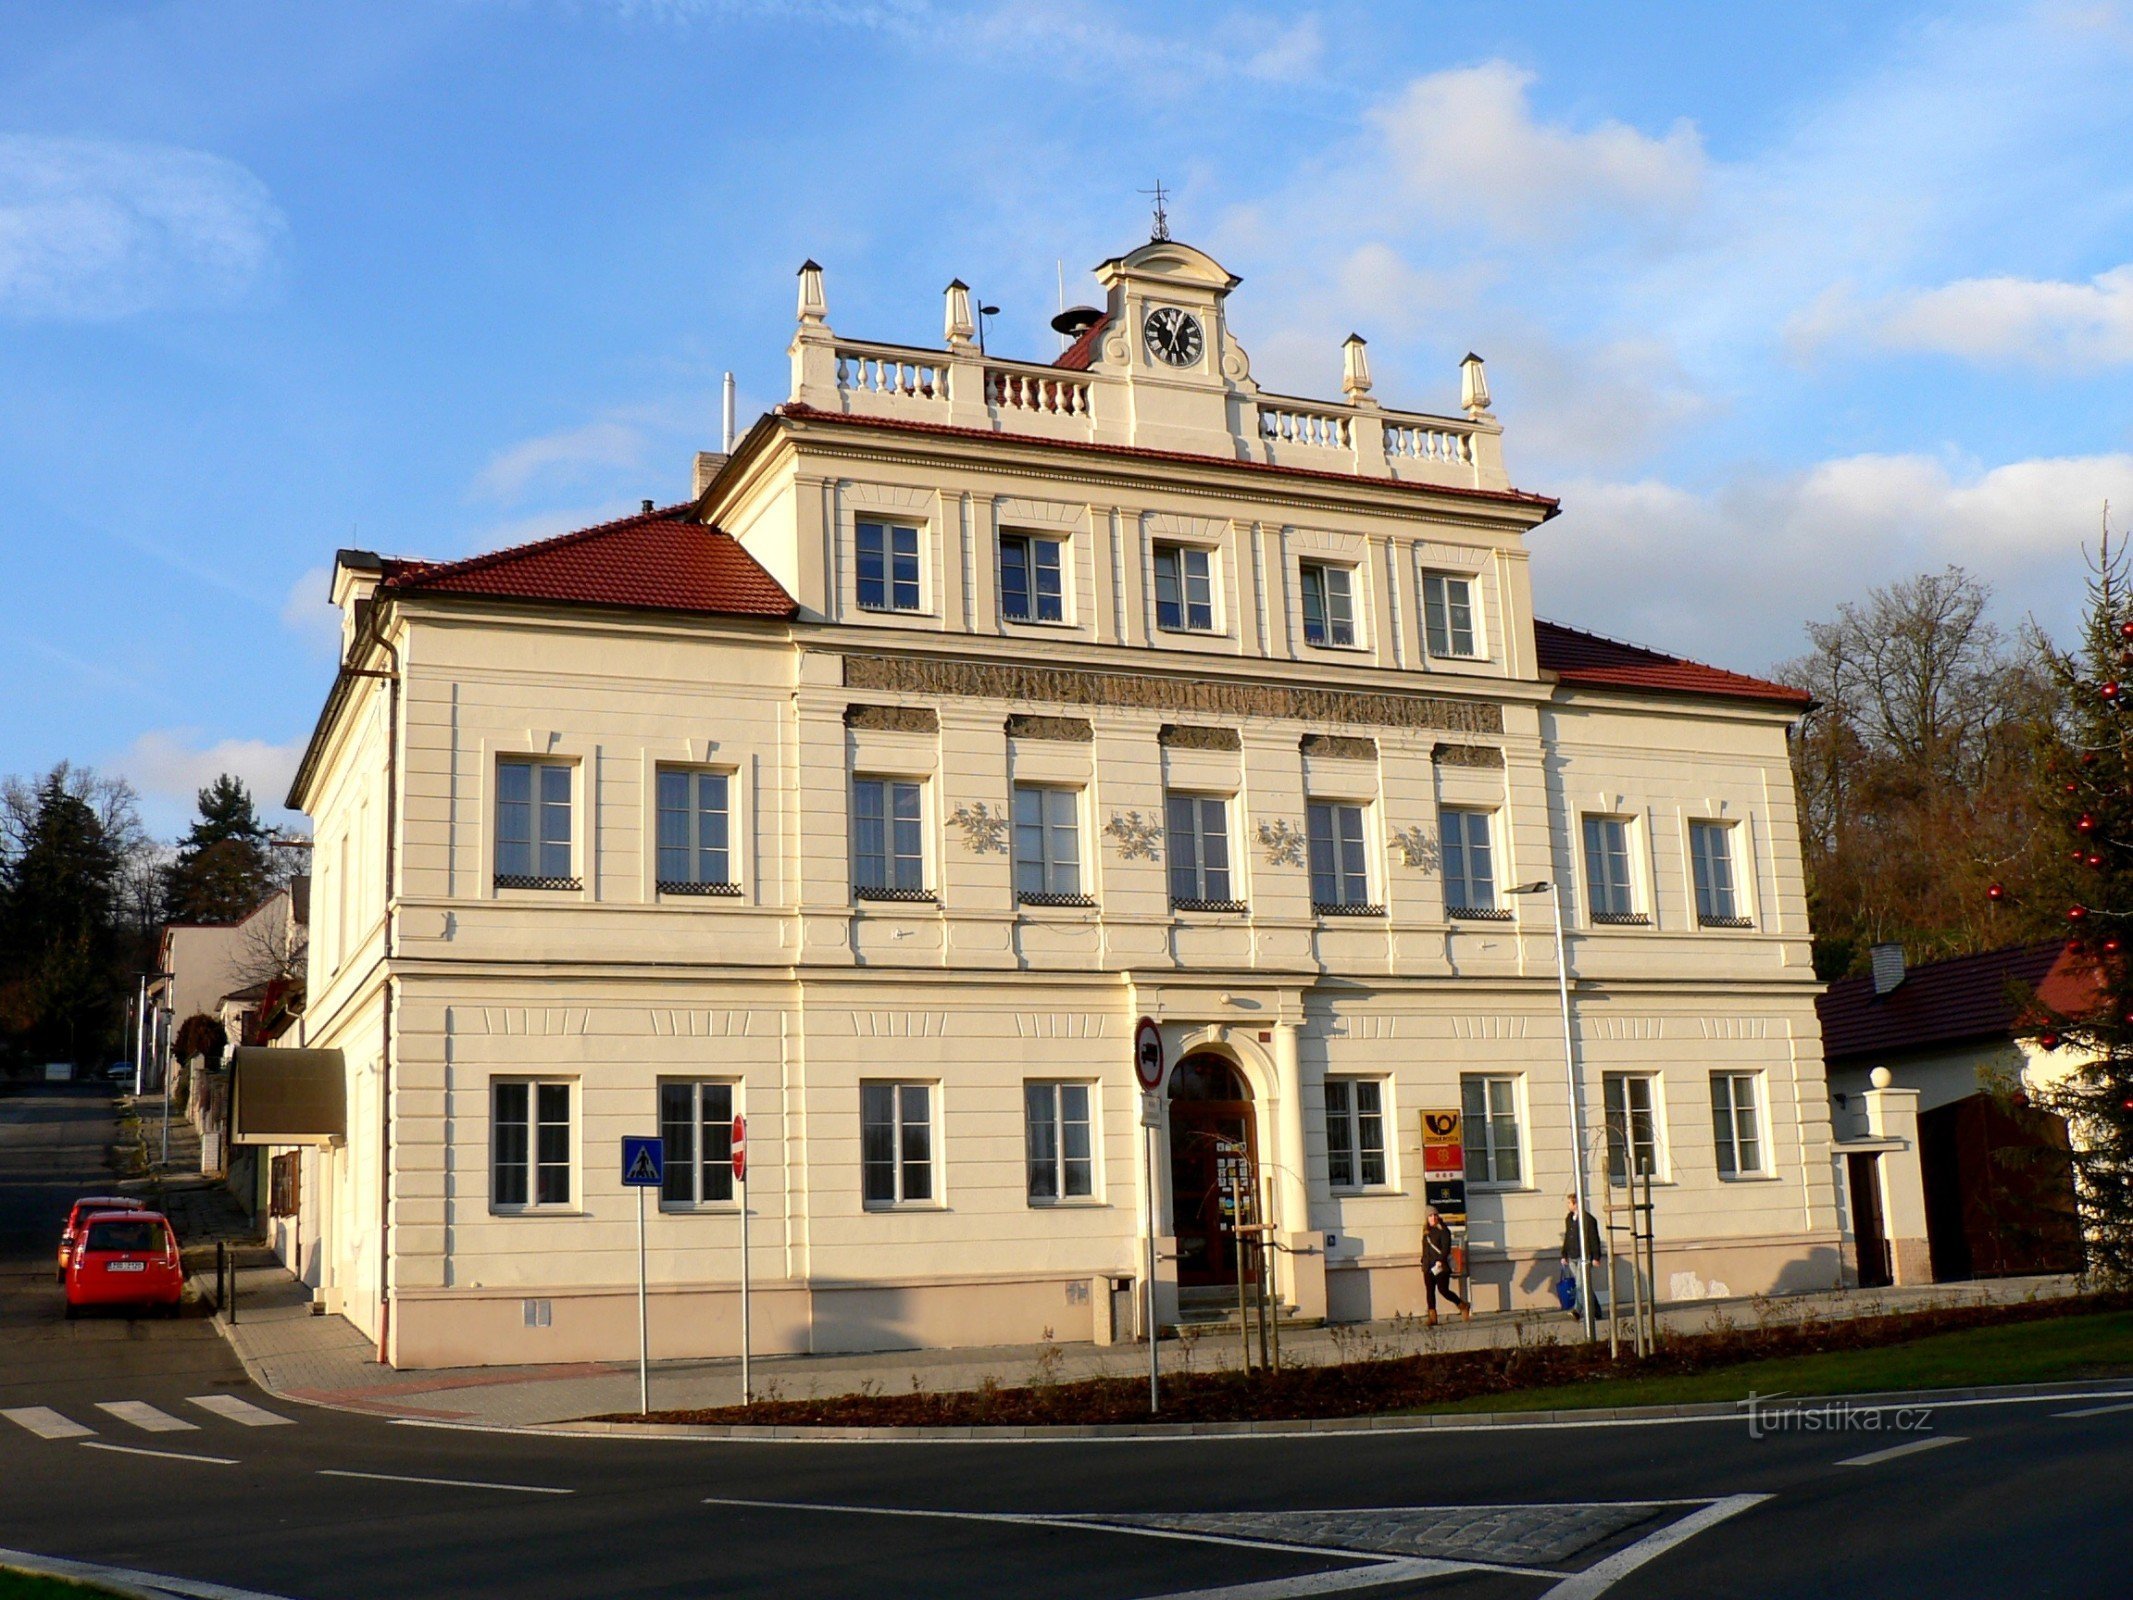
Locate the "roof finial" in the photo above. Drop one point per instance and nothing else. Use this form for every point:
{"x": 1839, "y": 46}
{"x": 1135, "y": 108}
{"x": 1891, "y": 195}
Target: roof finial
{"x": 1161, "y": 230}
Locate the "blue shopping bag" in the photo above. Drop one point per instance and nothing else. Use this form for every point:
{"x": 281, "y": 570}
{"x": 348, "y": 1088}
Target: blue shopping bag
{"x": 1566, "y": 1289}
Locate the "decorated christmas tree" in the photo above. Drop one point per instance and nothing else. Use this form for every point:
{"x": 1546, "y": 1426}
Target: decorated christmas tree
{"x": 2085, "y": 775}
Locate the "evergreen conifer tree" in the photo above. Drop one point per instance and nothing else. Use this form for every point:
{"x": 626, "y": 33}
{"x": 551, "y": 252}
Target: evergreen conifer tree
{"x": 2086, "y": 779}
{"x": 225, "y": 862}
{"x": 59, "y": 948}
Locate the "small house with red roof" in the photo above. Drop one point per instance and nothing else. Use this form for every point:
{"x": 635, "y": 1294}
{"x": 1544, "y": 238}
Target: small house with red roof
{"x": 1947, "y": 1171}
{"x": 972, "y": 711}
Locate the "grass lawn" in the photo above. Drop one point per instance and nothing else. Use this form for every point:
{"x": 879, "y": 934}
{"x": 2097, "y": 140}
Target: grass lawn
{"x": 2058, "y": 1350}
{"x": 28, "y": 1586}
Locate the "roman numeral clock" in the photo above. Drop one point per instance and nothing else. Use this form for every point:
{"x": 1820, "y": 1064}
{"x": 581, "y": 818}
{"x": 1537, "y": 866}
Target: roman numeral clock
{"x": 1173, "y": 336}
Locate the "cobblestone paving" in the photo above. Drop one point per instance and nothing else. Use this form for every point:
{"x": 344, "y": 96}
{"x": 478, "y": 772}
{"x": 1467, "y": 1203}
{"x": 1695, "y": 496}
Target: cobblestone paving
{"x": 1526, "y": 1535}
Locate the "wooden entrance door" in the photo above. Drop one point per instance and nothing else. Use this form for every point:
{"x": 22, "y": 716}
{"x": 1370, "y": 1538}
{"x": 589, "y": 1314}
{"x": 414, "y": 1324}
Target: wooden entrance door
{"x": 1863, "y": 1170}
{"x": 1210, "y": 1120}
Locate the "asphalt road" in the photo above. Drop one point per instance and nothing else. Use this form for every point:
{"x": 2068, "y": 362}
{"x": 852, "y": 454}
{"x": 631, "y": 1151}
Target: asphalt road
{"x": 2019, "y": 1499}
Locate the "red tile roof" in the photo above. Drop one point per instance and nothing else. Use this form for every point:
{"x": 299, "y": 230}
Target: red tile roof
{"x": 806, "y": 413}
{"x": 1081, "y": 354}
{"x": 1591, "y": 660}
{"x": 1966, "y": 999}
{"x": 657, "y": 560}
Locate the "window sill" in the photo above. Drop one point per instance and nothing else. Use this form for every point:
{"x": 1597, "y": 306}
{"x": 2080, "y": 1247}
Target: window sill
{"x": 1063, "y": 902}
{"x": 730, "y": 890}
{"x": 1725, "y": 922}
{"x": 551, "y": 1212}
{"x": 886, "y": 1207}
{"x": 891, "y": 611}
{"x": 1351, "y": 645}
{"x": 1458, "y": 660}
{"x": 518, "y": 880}
{"x": 1038, "y": 622}
{"x": 1193, "y": 633}
{"x": 1743, "y": 1177}
{"x": 1476, "y": 1186}
{"x": 915, "y": 897}
{"x": 1480, "y": 913}
{"x": 1620, "y": 919}
{"x": 699, "y": 1208}
{"x": 1212, "y": 907}
{"x": 1371, "y": 1192}
{"x": 1071, "y": 1203}
{"x": 1324, "y": 909}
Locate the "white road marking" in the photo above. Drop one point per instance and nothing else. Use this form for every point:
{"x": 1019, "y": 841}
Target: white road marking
{"x": 152, "y": 1582}
{"x": 442, "y": 1483}
{"x": 1601, "y": 1576}
{"x": 161, "y": 1455}
{"x": 1874, "y": 1458}
{"x": 2096, "y": 1411}
{"x": 46, "y": 1423}
{"x": 146, "y": 1417}
{"x": 232, "y": 1409}
{"x": 1408, "y": 1569}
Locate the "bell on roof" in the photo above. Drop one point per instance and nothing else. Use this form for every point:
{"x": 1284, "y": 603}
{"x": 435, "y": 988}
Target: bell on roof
{"x": 814, "y": 305}
{"x": 958, "y": 327}
{"x": 1355, "y": 367}
{"x": 1473, "y": 386}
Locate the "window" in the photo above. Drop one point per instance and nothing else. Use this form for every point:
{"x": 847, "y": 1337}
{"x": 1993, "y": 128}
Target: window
{"x": 1736, "y": 1121}
{"x": 896, "y": 1143}
{"x": 1469, "y": 865}
{"x": 694, "y": 854}
{"x": 888, "y": 567}
{"x": 1355, "y": 1133}
{"x": 1328, "y": 604}
{"x": 533, "y": 825}
{"x": 1199, "y": 853}
{"x": 1711, "y": 859}
{"x": 1632, "y": 1124}
{"x": 1340, "y": 878}
{"x": 1184, "y": 588}
{"x": 1062, "y": 1161}
{"x": 888, "y": 840}
{"x": 529, "y": 1144}
{"x": 1030, "y": 589}
{"x": 1610, "y": 895}
{"x": 1047, "y": 846}
{"x": 1488, "y": 1103}
{"x": 1448, "y": 614}
{"x": 696, "y": 1128}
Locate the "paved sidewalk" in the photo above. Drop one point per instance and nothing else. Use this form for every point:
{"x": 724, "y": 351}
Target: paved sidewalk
{"x": 324, "y": 1360}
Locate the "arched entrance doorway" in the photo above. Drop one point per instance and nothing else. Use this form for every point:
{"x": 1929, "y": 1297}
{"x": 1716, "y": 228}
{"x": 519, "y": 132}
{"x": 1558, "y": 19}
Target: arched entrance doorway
{"x": 1210, "y": 1118}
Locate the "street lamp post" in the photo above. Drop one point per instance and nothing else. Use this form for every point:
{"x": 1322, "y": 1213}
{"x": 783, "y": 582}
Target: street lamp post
{"x": 1577, "y": 1101}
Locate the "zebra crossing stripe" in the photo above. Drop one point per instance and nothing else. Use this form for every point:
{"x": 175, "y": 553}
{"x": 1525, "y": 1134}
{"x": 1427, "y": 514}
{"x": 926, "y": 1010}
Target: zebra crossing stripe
{"x": 146, "y": 1417}
{"x": 46, "y": 1423}
{"x": 231, "y": 1409}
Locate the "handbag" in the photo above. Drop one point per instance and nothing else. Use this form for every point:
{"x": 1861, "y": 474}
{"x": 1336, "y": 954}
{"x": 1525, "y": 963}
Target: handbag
{"x": 1566, "y": 1289}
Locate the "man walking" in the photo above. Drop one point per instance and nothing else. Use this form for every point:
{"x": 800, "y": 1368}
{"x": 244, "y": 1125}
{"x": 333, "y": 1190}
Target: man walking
{"x": 1437, "y": 1267}
{"x": 1582, "y": 1250}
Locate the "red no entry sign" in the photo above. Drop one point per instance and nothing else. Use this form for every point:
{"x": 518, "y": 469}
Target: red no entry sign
{"x": 740, "y": 1149}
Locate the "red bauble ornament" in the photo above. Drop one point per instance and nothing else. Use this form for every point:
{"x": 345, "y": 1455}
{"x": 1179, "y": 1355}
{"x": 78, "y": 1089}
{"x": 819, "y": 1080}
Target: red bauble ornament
{"x": 2076, "y": 913}
{"x": 2089, "y": 760}
{"x": 2073, "y": 788}
{"x": 2110, "y": 690}
{"x": 2095, "y": 861}
{"x": 2111, "y": 947}
{"x": 2125, "y": 630}
{"x": 1995, "y": 892}
{"x": 2084, "y": 823}
{"x": 2050, "y": 1041}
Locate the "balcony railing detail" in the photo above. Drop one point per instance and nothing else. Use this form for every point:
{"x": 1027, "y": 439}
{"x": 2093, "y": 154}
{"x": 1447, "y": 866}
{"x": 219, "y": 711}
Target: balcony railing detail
{"x": 1329, "y": 430}
{"x": 1010, "y": 390}
{"x": 1411, "y": 441}
{"x": 872, "y": 372}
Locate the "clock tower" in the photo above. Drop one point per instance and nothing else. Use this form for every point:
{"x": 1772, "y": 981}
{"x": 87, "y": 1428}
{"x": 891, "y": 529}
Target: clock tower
{"x": 1187, "y": 379}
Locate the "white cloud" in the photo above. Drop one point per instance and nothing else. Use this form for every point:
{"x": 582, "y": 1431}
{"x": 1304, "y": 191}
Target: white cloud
{"x": 96, "y": 229}
{"x": 566, "y": 457}
{"x": 1288, "y": 54}
{"x": 169, "y": 764}
{"x": 1465, "y": 145}
{"x": 308, "y": 611}
{"x": 2051, "y": 324}
{"x": 1731, "y": 574}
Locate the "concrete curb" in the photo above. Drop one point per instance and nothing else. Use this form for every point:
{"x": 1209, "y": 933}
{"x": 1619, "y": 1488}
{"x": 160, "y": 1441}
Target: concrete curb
{"x": 1423, "y": 1422}
{"x": 124, "y": 1580}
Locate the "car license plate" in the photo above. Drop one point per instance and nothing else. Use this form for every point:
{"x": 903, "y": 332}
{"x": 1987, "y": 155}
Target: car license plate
{"x": 125, "y": 1266}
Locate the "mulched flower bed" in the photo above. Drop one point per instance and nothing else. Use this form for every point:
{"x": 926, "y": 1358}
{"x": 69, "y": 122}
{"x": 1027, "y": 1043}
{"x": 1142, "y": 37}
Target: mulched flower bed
{"x": 1373, "y": 1386}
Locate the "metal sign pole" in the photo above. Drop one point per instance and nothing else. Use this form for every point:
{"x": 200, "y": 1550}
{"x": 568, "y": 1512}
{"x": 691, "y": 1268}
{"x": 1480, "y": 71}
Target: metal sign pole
{"x": 747, "y": 1385}
{"x": 644, "y": 1341}
{"x": 1155, "y": 1390}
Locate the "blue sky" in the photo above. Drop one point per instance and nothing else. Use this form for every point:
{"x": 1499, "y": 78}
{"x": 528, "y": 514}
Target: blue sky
{"x": 1782, "y": 301}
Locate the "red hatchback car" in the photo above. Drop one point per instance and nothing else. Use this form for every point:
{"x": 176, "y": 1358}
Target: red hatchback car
{"x": 81, "y": 1209}
{"x": 125, "y": 1258}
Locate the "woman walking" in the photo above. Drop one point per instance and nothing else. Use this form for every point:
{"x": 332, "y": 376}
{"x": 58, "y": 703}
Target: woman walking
{"x": 1437, "y": 1267}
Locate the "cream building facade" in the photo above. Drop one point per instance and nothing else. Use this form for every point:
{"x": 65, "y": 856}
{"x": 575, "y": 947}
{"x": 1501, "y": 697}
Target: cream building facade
{"x": 973, "y": 710}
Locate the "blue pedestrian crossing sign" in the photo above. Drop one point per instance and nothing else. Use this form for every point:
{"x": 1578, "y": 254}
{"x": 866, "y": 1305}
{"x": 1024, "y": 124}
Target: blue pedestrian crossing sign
{"x": 644, "y": 1162}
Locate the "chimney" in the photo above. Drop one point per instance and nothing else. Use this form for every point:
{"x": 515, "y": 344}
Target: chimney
{"x": 1888, "y": 967}
{"x": 708, "y": 463}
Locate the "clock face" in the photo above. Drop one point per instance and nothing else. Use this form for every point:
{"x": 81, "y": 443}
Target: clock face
{"x": 1173, "y": 336}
